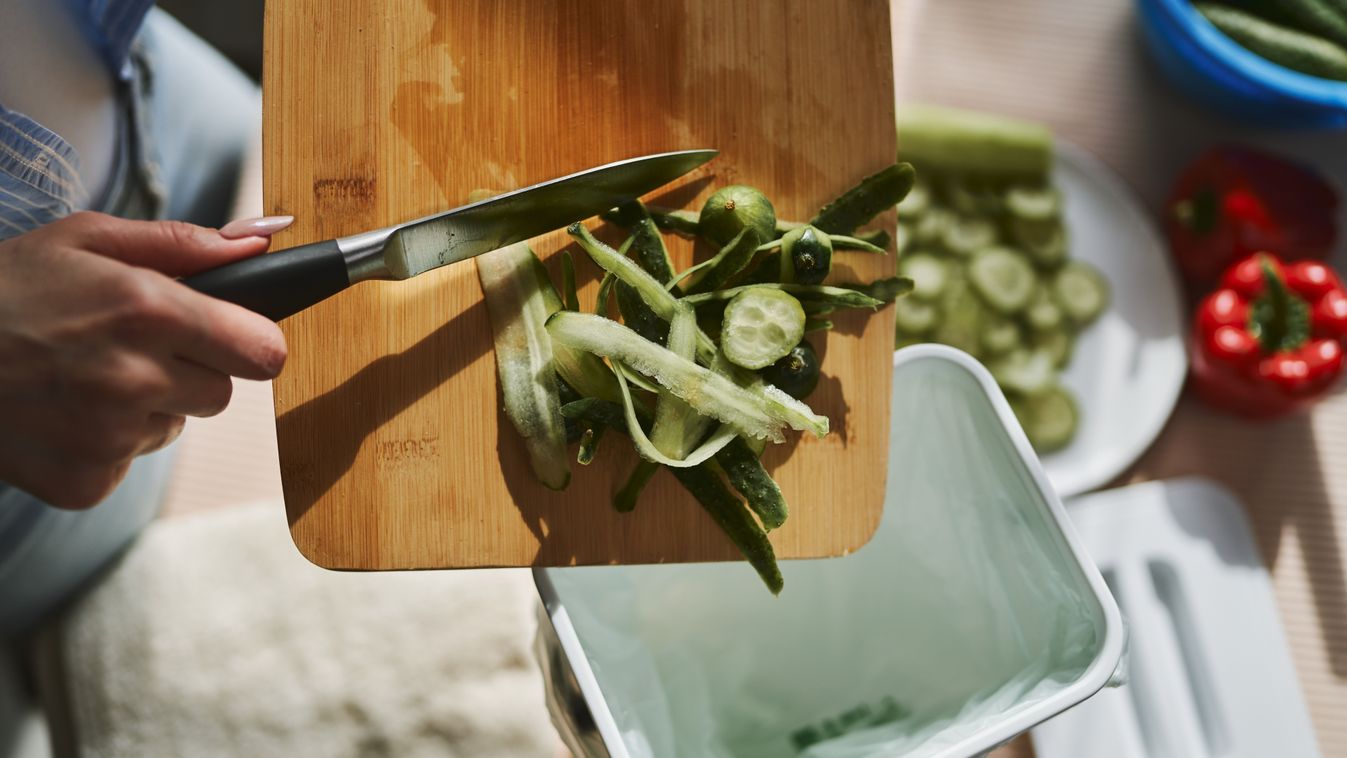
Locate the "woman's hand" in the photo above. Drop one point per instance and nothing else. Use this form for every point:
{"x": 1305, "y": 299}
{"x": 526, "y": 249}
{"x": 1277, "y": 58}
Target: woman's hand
{"x": 103, "y": 354}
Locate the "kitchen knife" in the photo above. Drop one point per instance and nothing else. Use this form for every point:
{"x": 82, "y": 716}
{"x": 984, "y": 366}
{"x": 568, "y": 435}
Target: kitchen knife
{"x": 285, "y": 282}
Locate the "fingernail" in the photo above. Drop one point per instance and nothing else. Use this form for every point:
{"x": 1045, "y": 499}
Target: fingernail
{"x": 255, "y": 227}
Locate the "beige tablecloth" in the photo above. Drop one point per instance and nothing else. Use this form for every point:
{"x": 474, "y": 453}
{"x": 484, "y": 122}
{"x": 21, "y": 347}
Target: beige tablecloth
{"x": 1082, "y": 68}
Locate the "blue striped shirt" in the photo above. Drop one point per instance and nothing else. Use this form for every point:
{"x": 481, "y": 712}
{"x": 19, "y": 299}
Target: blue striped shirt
{"x": 39, "y": 171}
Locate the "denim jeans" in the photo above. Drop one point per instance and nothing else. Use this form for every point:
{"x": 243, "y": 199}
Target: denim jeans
{"x": 189, "y": 117}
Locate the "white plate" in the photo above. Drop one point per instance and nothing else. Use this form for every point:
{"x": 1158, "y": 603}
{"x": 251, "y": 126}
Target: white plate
{"x": 1129, "y": 366}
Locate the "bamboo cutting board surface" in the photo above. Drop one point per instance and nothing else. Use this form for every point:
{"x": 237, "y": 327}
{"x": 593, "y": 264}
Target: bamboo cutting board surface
{"x": 393, "y": 451}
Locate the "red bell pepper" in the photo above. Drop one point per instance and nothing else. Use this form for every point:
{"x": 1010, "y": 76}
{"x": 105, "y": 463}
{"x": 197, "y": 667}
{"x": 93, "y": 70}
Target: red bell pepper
{"x": 1271, "y": 339}
{"x": 1234, "y": 201}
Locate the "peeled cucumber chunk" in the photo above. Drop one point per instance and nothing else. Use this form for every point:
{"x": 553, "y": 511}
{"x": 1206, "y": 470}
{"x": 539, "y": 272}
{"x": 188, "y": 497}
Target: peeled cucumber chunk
{"x": 1081, "y": 292}
{"x": 968, "y": 142}
{"x": 1003, "y": 278}
{"x": 1049, "y": 419}
{"x": 927, "y": 272}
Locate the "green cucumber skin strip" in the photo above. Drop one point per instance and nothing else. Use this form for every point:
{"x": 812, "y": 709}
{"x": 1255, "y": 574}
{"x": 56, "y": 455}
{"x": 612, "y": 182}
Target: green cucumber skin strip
{"x": 660, "y": 300}
{"x": 518, "y": 310}
{"x": 648, "y": 244}
{"x": 875, "y": 194}
{"x": 729, "y": 261}
{"x": 843, "y": 297}
{"x": 583, "y": 371}
{"x": 647, "y": 448}
{"x": 1318, "y": 17}
{"x": 671, "y": 413}
{"x": 706, "y": 486}
{"x": 746, "y": 474}
{"x": 625, "y": 499}
{"x": 571, "y": 298}
{"x": 685, "y": 223}
{"x": 757, "y": 411}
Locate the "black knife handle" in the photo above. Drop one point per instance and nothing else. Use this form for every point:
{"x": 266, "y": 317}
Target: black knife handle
{"x": 278, "y": 284}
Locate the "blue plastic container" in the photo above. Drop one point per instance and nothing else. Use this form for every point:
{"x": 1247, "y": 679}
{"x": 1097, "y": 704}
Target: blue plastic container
{"x": 1212, "y": 68}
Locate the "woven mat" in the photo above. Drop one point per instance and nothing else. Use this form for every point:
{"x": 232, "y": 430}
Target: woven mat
{"x": 1082, "y": 68}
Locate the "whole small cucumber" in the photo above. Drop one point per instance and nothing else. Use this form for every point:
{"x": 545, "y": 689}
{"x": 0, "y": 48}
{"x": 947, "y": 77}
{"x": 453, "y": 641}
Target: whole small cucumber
{"x": 1293, "y": 49}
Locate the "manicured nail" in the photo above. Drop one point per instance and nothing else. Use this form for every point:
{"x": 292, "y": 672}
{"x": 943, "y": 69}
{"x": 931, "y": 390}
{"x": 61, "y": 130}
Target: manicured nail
{"x": 255, "y": 227}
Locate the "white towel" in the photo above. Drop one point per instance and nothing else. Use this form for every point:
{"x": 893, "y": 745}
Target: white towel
{"x": 214, "y": 637}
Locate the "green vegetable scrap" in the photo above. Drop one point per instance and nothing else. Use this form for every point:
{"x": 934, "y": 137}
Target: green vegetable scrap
{"x": 706, "y": 366}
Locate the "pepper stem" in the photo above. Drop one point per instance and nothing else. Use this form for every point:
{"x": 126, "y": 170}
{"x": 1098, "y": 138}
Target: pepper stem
{"x": 1278, "y": 319}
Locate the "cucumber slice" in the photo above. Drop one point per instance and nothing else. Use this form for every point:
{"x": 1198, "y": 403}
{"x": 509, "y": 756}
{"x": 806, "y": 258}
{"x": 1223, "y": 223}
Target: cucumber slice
{"x": 963, "y": 314}
{"x": 927, "y": 272}
{"x": 914, "y": 316}
{"x": 1000, "y": 335}
{"x": 973, "y": 200}
{"x": 1003, "y": 278}
{"x": 1043, "y": 314}
{"x": 1025, "y": 372}
{"x": 1033, "y": 203}
{"x": 930, "y": 228}
{"x": 1049, "y": 419}
{"x": 917, "y": 201}
{"x": 1081, "y": 292}
{"x": 1047, "y": 250}
{"x": 760, "y": 326}
{"x": 1058, "y": 343}
{"x": 966, "y": 235}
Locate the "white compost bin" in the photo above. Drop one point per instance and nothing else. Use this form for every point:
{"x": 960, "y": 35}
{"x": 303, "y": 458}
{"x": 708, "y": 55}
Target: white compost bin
{"x": 972, "y": 614}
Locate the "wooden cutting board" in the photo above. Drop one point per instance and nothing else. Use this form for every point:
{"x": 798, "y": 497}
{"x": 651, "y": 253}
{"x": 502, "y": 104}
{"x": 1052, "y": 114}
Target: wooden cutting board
{"x": 393, "y": 451}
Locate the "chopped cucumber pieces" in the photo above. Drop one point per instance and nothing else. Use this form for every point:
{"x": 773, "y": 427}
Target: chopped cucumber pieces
{"x": 987, "y": 248}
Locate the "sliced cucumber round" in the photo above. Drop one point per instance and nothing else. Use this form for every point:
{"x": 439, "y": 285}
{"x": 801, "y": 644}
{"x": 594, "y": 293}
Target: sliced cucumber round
{"x": 916, "y": 202}
{"x": 962, "y": 316}
{"x": 1049, "y": 419}
{"x": 913, "y": 316}
{"x": 1025, "y": 372}
{"x": 1000, "y": 335}
{"x": 903, "y": 238}
{"x": 966, "y": 235}
{"x": 1003, "y": 278}
{"x": 1081, "y": 292}
{"x": 1043, "y": 315}
{"x": 1049, "y": 252}
{"x": 930, "y": 228}
{"x": 760, "y": 327}
{"x": 1058, "y": 343}
{"x": 972, "y": 199}
{"x": 1033, "y": 203}
{"x": 927, "y": 272}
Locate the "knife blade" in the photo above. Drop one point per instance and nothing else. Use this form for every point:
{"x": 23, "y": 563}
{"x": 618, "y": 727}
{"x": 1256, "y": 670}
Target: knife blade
{"x": 285, "y": 282}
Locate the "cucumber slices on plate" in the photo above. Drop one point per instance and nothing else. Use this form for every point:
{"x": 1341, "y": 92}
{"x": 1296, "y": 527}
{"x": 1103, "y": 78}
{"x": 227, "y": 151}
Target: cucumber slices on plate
{"x": 986, "y": 247}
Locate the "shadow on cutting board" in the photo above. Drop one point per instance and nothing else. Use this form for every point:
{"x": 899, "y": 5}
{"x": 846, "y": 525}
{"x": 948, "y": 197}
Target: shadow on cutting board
{"x": 373, "y": 396}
